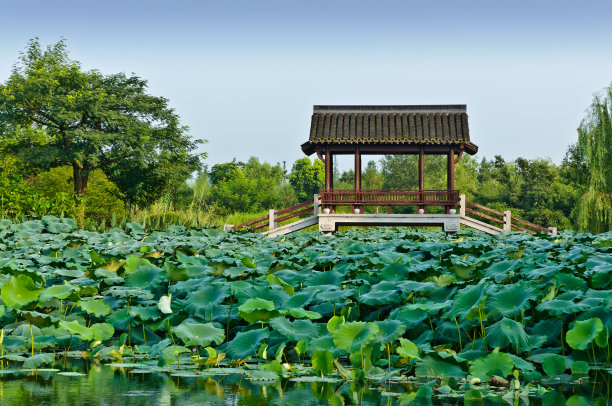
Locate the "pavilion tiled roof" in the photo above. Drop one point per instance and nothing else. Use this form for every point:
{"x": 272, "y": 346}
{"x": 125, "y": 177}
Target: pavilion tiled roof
{"x": 428, "y": 124}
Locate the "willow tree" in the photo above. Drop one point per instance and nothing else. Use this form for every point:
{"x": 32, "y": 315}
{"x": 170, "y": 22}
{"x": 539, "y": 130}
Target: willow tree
{"x": 594, "y": 210}
{"x": 62, "y": 115}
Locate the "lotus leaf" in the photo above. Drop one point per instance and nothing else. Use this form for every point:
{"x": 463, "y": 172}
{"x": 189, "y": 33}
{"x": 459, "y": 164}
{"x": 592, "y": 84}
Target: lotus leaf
{"x": 304, "y": 314}
{"x": 258, "y": 310}
{"x": 389, "y": 331}
{"x": 583, "y": 333}
{"x": 133, "y": 262}
{"x": 323, "y": 363}
{"x": 170, "y": 354}
{"x": 74, "y": 327}
{"x": 102, "y": 331}
{"x": 197, "y": 334}
{"x": 408, "y": 349}
{"x": 351, "y": 336}
{"x": 296, "y": 330}
{"x": 511, "y": 300}
{"x": 507, "y": 332}
{"x": 496, "y": 363}
{"x": 554, "y": 365}
{"x": 58, "y": 292}
{"x": 36, "y": 361}
{"x": 430, "y": 366}
{"x": 94, "y": 306}
{"x": 245, "y": 344}
{"x": 164, "y": 304}
{"x": 20, "y": 291}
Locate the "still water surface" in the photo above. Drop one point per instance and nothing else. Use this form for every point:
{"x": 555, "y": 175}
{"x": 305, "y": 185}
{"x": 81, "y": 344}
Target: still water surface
{"x": 104, "y": 385}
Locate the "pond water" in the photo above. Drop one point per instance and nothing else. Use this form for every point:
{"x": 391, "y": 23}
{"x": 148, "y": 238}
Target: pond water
{"x": 105, "y": 385}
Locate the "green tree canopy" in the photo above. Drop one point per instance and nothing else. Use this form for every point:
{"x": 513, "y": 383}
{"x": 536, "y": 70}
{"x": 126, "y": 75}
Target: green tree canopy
{"x": 60, "y": 115}
{"x": 307, "y": 178}
{"x": 594, "y": 211}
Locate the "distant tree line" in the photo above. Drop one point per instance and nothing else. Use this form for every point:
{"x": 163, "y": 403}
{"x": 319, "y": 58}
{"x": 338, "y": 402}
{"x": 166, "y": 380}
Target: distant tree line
{"x": 99, "y": 148}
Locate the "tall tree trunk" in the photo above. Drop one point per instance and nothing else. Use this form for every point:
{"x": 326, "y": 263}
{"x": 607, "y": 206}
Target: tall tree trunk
{"x": 80, "y": 176}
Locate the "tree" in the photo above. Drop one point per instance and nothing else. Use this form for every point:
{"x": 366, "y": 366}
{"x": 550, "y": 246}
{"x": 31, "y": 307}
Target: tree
{"x": 594, "y": 211}
{"x": 307, "y": 178}
{"x": 61, "y": 115}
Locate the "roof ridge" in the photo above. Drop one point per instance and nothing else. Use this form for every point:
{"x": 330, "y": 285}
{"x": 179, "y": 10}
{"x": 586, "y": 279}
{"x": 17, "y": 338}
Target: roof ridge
{"x": 417, "y": 108}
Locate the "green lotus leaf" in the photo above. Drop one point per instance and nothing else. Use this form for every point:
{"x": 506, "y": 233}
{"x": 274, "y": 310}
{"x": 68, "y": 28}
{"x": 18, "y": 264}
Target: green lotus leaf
{"x": 133, "y": 262}
{"x": 58, "y": 292}
{"x": 296, "y": 330}
{"x": 432, "y": 367}
{"x": 146, "y": 277}
{"x": 350, "y": 337}
{"x": 75, "y": 328}
{"x": 389, "y": 331}
{"x": 176, "y": 274}
{"x": 145, "y": 313}
{"x": 472, "y": 394}
{"x": 601, "y": 339}
{"x": 301, "y": 299}
{"x": 500, "y": 270}
{"x": 299, "y": 313}
{"x": 197, "y": 334}
{"x": 275, "y": 280}
{"x": 557, "y": 307}
{"x": 507, "y": 332}
{"x": 571, "y": 282}
{"x": 382, "y": 293}
{"x": 323, "y": 363}
{"x": 205, "y": 299}
{"x": 245, "y": 344}
{"x": 257, "y": 310}
{"x": 496, "y": 363}
{"x": 168, "y": 355}
{"x": 580, "y": 367}
{"x": 467, "y": 299}
{"x": 510, "y": 300}
{"x": 554, "y": 365}
{"x": 520, "y": 363}
{"x": 36, "y": 361}
{"x": 20, "y": 291}
{"x": 334, "y": 322}
{"x": 102, "y": 331}
{"x": 408, "y": 349}
{"x": 96, "y": 307}
{"x": 583, "y": 333}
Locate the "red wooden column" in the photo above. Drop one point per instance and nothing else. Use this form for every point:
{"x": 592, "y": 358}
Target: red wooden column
{"x": 422, "y": 177}
{"x": 329, "y": 175}
{"x": 357, "y": 177}
{"x": 328, "y": 169}
{"x": 450, "y": 175}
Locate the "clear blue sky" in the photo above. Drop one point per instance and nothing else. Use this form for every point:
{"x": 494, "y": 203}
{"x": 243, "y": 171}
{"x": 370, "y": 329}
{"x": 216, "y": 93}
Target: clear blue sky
{"x": 245, "y": 74}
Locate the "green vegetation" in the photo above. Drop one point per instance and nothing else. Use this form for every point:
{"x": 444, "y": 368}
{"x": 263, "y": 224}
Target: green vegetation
{"x": 377, "y": 305}
{"x": 98, "y": 148}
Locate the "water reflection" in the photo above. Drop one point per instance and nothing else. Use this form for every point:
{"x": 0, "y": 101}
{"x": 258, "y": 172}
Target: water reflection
{"x": 100, "y": 385}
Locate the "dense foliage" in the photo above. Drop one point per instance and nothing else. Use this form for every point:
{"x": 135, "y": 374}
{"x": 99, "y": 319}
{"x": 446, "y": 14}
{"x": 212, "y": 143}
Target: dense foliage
{"x": 55, "y": 114}
{"x": 376, "y": 304}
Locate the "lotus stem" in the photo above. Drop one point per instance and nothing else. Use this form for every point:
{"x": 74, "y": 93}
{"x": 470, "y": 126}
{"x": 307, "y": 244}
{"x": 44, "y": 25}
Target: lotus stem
{"x": 389, "y": 353}
{"x": 144, "y": 334}
{"x": 458, "y": 333}
{"x": 229, "y": 316}
{"x": 32, "y": 337}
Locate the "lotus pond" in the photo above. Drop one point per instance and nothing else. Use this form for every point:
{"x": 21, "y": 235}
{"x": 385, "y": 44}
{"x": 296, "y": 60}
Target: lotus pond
{"x": 371, "y": 316}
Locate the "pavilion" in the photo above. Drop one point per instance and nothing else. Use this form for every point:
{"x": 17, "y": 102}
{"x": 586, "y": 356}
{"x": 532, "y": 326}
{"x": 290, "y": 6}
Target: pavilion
{"x": 377, "y": 130}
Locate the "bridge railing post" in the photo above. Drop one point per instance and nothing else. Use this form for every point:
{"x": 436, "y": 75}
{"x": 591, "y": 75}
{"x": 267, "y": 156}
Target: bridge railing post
{"x": 317, "y": 204}
{"x": 553, "y": 230}
{"x": 462, "y": 205}
{"x": 507, "y": 220}
{"x": 272, "y": 219}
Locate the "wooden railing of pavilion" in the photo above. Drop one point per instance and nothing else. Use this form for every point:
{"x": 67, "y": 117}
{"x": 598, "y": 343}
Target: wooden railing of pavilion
{"x": 389, "y": 197}
{"x": 504, "y": 220}
{"x": 277, "y": 216}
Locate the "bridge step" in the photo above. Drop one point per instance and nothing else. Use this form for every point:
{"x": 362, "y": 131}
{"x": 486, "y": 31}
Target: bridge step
{"x": 480, "y": 225}
{"x": 290, "y": 228}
